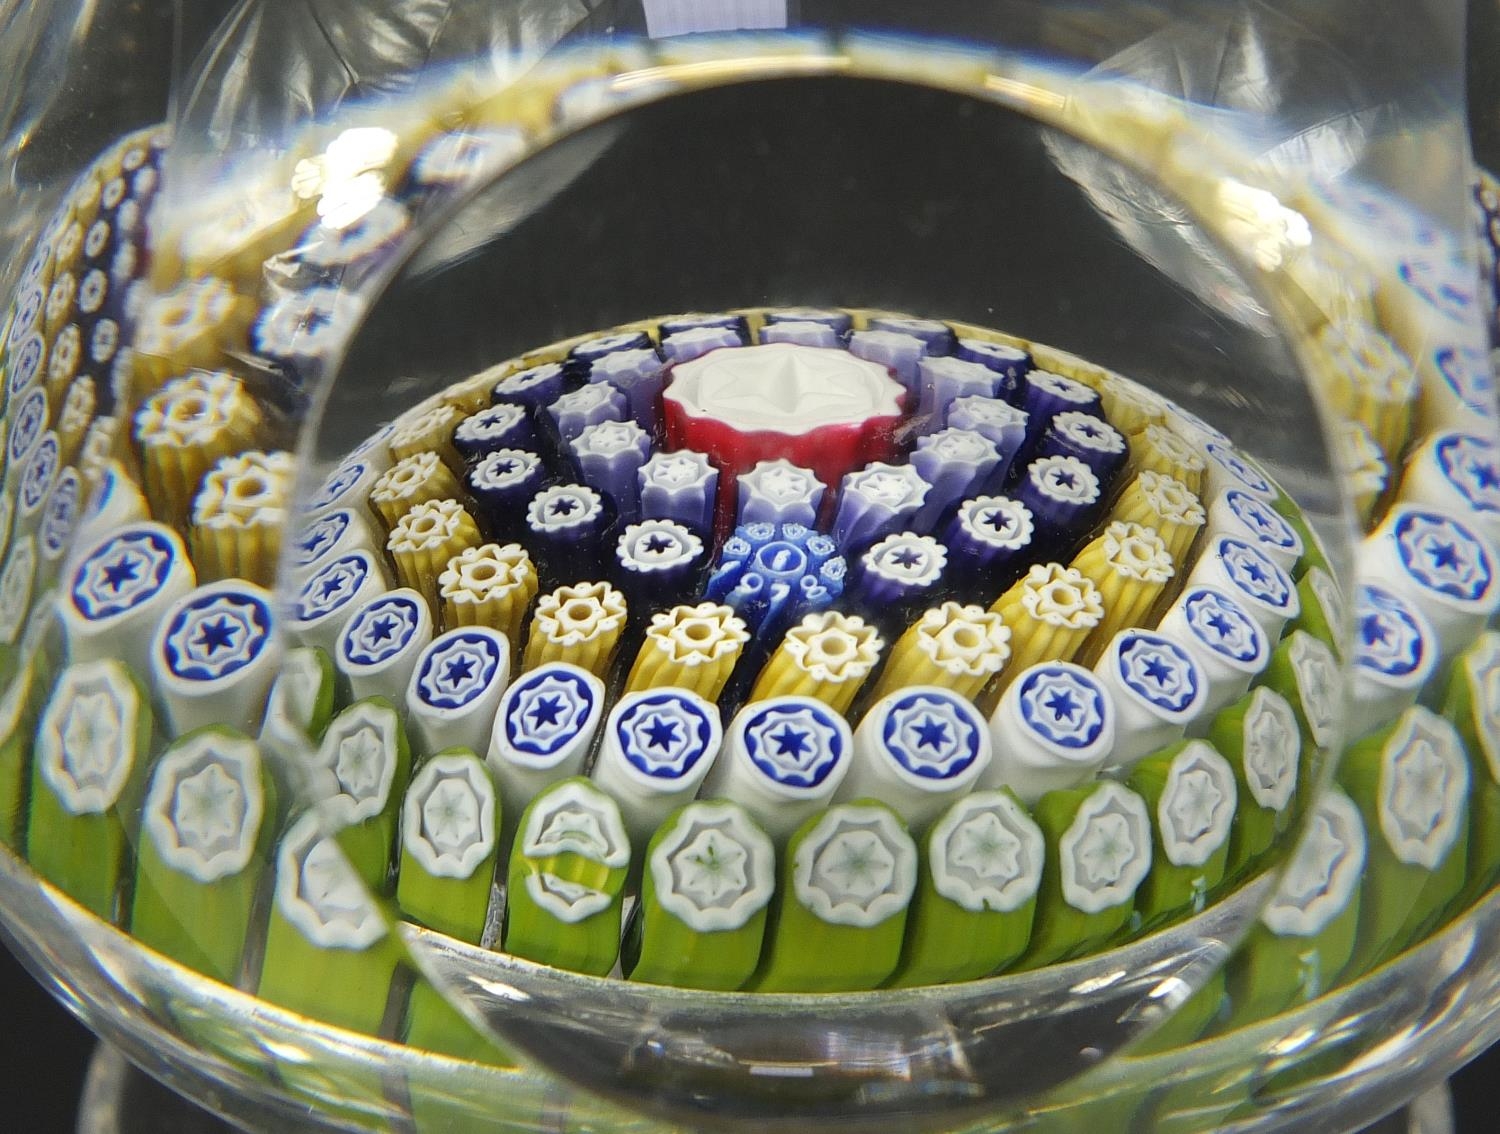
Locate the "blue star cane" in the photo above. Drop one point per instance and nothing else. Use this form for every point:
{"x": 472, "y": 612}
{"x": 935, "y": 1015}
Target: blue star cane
{"x": 1010, "y": 362}
{"x": 681, "y": 487}
{"x": 895, "y": 578}
{"x": 543, "y": 732}
{"x": 591, "y": 404}
{"x": 1228, "y": 645}
{"x": 943, "y": 381}
{"x": 455, "y": 689}
{"x": 215, "y": 656}
{"x": 327, "y": 601}
{"x": 918, "y": 750}
{"x": 566, "y": 525}
{"x": 505, "y": 426}
{"x": 997, "y": 421}
{"x": 608, "y": 458}
{"x": 1052, "y": 730}
{"x": 783, "y": 760}
{"x": 779, "y": 492}
{"x": 641, "y": 375}
{"x": 656, "y": 562}
{"x": 532, "y": 389}
{"x": 899, "y": 353}
{"x": 120, "y": 590}
{"x": 1064, "y": 497}
{"x": 1158, "y": 689}
{"x": 737, "y": 325}
{"x": 1091, "y": 440}
{"x": 1044, "y": 395}
{"x": 955, "y": 463}
{"x": 379, "y": 648}
{"x": 937, "y": 338}
{"x": 501, "y": 484}
{"x": 1241, "y": 569}
{"x": 1395, "y": 655}
{"x": 875, "y": 501}
{"x": 987, "y": 539}
{"x": 810, "y": 334}
{"x": 318, "y": 540}
{"x": 658, "y": 747}
{"x": 689, "y": 343}
{"x": 585, "y": 355}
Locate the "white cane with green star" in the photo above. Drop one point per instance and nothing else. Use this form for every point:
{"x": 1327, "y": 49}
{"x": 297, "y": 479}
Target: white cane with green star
{"x": 972, "y": 913}
{"x": 1191, "y": 792}
{"x": 1411, "y": 783}
{"x": 710, "y": 873}
{"x": 205, "y": 836}
{"x": 450, "y": 838}
{"x": 1098, "y": 852}
{"x": 1259, "y": 737}
{"x": 847, "y": 878}
{"x": 88, "y": 768}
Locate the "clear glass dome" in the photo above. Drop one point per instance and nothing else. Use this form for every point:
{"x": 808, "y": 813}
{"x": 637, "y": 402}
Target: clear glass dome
{"x": 619, "y": 567}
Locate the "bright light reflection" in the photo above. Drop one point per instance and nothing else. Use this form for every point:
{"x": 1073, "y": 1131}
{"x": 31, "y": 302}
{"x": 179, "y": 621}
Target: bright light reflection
{"x": 1257, "y": 220}
{"x": 348, "y": 177}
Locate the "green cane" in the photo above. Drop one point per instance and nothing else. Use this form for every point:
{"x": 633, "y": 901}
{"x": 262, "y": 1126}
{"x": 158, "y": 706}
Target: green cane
{"x": 1305, "y": 937}
{"x": 1305, "y": 671}
{"x": 1472, "y": 703}
{"x": 1321, "y": 608}
{"x": 329, "y": 950}
{"x": 981, "y": 865}
{"x": 1260, "y": 738}
{"x": 18, "y": 713}
{"x": 566, "y": 882}
{"x": 91, "y": 747}
{"x": 840, "y": 911}
{"x": 710, "y": 872}
{"x": 432, "y": 1024}
{"x": 1190, "y": 790}
{"x": 299, "y": 707}
{"x": 450, "y": 838}
{"x": 205, "y": 835}
{"x": 1098, "y": 852}
{"x": 1411, "y": 782}
{"x": 358, "y": 777}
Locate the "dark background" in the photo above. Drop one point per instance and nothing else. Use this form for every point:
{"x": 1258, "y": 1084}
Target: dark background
{"x": 44, "y": 1050}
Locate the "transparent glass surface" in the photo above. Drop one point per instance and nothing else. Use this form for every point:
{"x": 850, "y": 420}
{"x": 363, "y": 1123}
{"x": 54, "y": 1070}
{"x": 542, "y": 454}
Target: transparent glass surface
{"x": 450, "y": 685}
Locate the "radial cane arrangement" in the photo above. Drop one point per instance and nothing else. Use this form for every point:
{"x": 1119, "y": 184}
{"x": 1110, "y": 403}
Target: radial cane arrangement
{"x": 780, "y": 650}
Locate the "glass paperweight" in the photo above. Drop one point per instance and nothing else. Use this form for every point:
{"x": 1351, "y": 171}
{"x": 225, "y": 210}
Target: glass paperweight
{"x": 652, "y": 565}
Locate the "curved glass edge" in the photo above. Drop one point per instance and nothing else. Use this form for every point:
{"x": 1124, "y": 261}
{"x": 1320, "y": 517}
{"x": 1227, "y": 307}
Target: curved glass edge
{"x": 1356, "y": 1054}
{"x": 1018, "y": 85}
